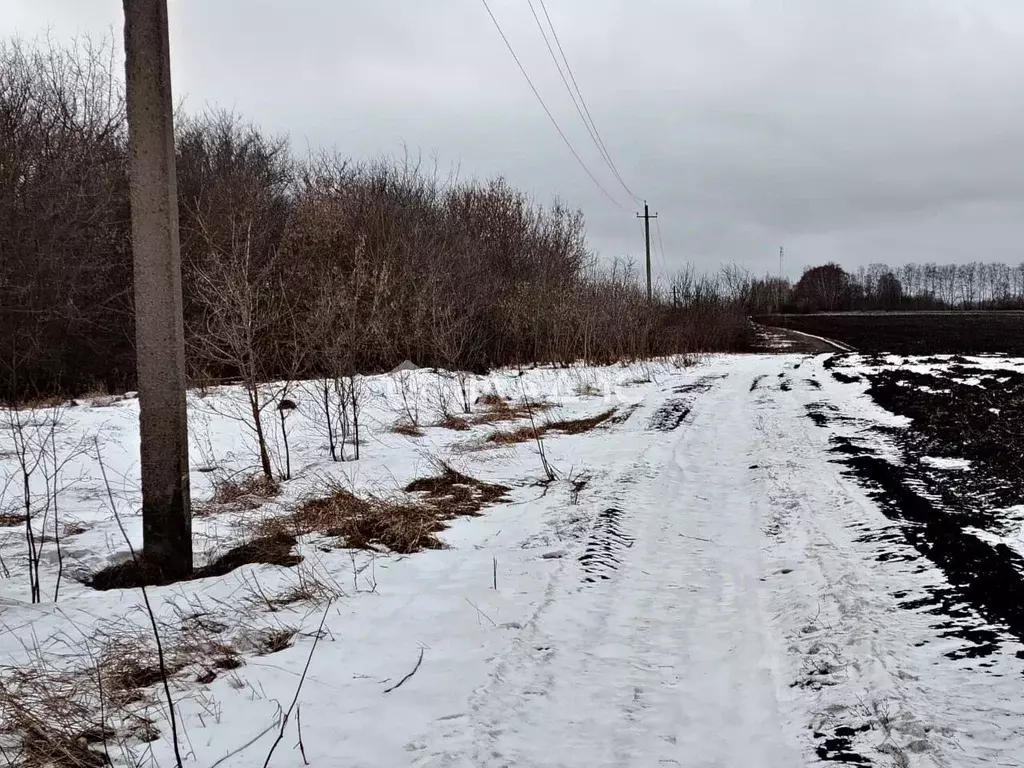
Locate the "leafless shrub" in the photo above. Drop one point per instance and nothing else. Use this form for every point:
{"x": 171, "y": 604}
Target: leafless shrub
{"x": 65, "y": 275}
{"x": 42, "y": 448}
{"x": 322, "y": 268}
{"x": 410, "y": 392}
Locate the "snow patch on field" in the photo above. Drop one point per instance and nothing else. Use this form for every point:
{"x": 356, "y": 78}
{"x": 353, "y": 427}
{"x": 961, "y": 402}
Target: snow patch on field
{"x": 941, "y": 462}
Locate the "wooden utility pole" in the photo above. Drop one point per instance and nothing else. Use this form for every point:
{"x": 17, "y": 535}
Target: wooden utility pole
{"x": 647, "y": 216}
{"x": 159, "y": 336}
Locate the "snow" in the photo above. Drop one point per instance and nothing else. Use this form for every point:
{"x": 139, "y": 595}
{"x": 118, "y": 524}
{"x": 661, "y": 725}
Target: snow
{"x": 711, "y": 597}
{"x": 835, "y": 344}
{"x": 1014, "y": 542}
{"x": 942, "y": 462}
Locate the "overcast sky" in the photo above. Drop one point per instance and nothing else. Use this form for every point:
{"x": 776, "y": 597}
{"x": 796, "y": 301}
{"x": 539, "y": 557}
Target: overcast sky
{"x": 850, "y": 130}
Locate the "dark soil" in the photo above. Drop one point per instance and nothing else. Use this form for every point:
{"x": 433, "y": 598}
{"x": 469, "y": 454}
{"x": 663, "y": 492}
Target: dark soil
{"x": 984, "y": 598}
{"x": 982, "y": 423}
{"x": 135, "y": 573}
{"x": 914, "y": 333}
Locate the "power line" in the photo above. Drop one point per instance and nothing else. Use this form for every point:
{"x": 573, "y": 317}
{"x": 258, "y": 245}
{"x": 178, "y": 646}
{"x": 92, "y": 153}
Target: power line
{"x": 596, "y": 134}
{"x": 572, "y": 95}
{"x": 545, "y": 107}
{"x": 661, "y": 246}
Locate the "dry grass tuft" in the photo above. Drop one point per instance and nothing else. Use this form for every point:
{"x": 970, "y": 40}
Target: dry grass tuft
{"x": 238, "y": 493}
{"x": 311, "y": 587}
{"x": 579, "y": 426}
{"x": 406, "y": 428}
{"x": 7, "y": 520}
{"x": 275, "y": 640}
{"x": 491, "y": 400}
{"x": 90, "y": 707}
{"x": 455, "y": 494}
{"x": 83, "y": 711}
{"x": 528, "y": 433}
{"x": 130, "y": 665}
{"x": 456, "y": 423}
{"x": 396, "y": 524}
{"x": 371, "y": 523}
{"x": 54, "y": 718}
{"x": 513, "y": 436}
{"x": 503, "y": 410}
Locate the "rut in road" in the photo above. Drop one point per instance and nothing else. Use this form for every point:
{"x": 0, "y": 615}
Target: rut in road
{"x": 667, "y": 659}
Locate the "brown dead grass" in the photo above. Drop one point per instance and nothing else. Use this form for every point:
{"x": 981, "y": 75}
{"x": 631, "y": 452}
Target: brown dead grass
{"x": 364, "y": 523}
{"x": 456, "y": 423}
{"x": 7, "y": 520}
{"x": 496, "y": 409}
{"x": 527, "y": 433}
{"x": 407, "y": 428}
{"x": 455, "y": 494}
{"x": 503, "y": 410}
{"x": 579, "y": 426}
{"x": 491, "y": 400}
{"x": 238, "y": 493}
{"x": 130, "y": 665}
{"x": 275, "y": 641}
{"x": 90, "y": 704}
{"x": 513, "y": 436}
{"x": 53, "y": 721}
{"x": 397, "y": 524}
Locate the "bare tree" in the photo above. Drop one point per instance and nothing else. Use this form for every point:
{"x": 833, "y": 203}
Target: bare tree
{"x": 38, "y": 440}
{"x": 249, "y": 329}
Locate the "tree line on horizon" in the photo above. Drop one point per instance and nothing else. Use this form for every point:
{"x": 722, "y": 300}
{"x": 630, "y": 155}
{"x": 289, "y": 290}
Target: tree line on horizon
{"x": 929, "y": 286}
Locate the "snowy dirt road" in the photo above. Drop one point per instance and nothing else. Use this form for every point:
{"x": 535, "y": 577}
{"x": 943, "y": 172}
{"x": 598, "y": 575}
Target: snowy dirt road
{"x": 656, "y": 649}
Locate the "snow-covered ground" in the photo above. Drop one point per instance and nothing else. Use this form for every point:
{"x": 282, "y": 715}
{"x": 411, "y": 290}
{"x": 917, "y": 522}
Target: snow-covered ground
{"x": 702, "y": 586}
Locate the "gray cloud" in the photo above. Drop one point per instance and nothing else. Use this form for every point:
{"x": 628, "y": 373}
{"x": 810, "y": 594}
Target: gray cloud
{"x": 855, "y": 130}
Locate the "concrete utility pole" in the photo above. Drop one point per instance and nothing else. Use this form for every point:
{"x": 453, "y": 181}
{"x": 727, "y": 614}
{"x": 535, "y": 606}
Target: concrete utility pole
{"x": 159, "y": 336}
{"x": 647, "y": 216}
{"x": 778, "y": 291}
